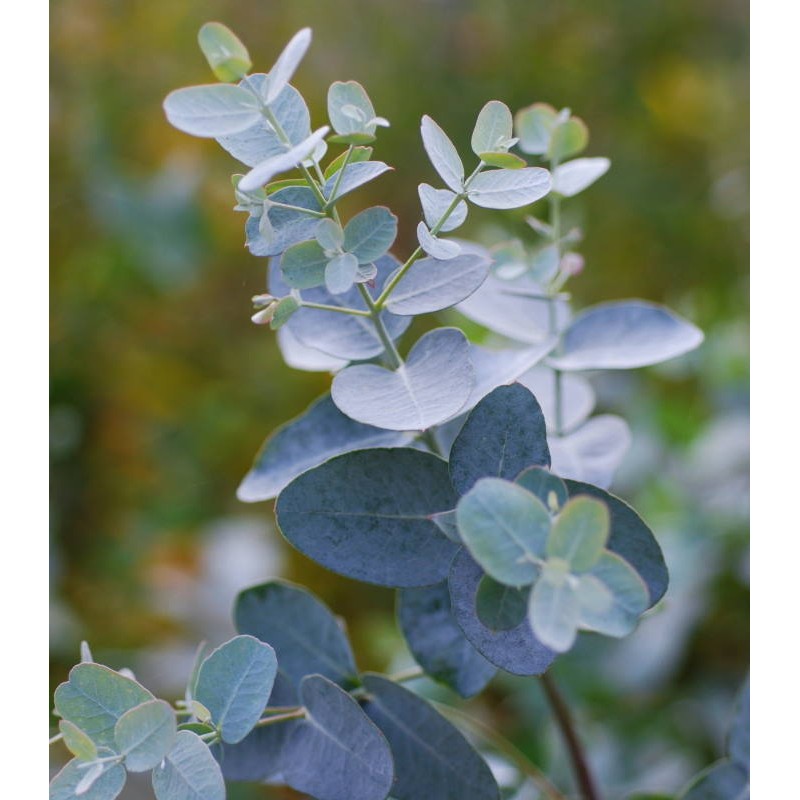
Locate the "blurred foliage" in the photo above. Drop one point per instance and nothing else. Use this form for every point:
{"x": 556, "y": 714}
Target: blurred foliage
{"x": 162, "y": 389}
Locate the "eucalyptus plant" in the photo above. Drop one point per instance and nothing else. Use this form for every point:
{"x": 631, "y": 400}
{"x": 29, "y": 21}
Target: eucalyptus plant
{"x": 471, "y": 478}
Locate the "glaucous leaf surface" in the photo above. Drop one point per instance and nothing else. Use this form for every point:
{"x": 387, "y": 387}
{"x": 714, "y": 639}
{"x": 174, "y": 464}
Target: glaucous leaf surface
{"x": 493, "y": 128}
{"x": 509, "y": 188}
{"x": 319, "y": 433}
{"x": 80, "y": 744}
{"x": 306, "y": 636}
{"x": 225, "y": 53}
{"x": 431, "y": 386}
{"x": 503, "y": 434}
{"x": 145, "y": 734}
{"x": 500, "y": 607}
{"x": 519, "y": 317}
{"x": 367, "y": 514}
{"x": 257, "y": 757}
{"x": 442, "y": 154}
{"x": 721, "y": 781}
{"x": 297, "y": 356}
{"x": 213, "y": 110}
{"x": 355, "y": 175}
{"x": 234, "y": 684}
{"x": 573, "y": 177}
{"x": 554, "y": 611}
{"x": 108, "y": 786}
{"x": 431, "y": 284}
{"x": 189, "y": 772}
{"x": 516, "y": 650}
{"x": 337, "y": 752}
{"x": 437, "y": 642}
{"x": 343, "y": 98}
{"x": 593, "y": 452}
{"x": 260, "y": 141}
{"x": 545, "y": 485}
{"x": 341, "y": 273}
{"x": 577, "y": 396}
{"x": 505, "y": 529}
{"x": 534, "y": 127}
{"x": 435, "y": 203}
{"x": 286, "y": 226}
{"x": 370, "y": 233}
{"x": 341, "y": 335}
{"x": 95, "y": 697}
{"x": 288, "y": 61}
{"x": 304, "y": 265}
{"x": 579, "y": 533}
{"x": 432, "y": 758}
{"x": 434, "y": 246}
{"x": 625, "y": 335}
{"x": 630, "y": 538}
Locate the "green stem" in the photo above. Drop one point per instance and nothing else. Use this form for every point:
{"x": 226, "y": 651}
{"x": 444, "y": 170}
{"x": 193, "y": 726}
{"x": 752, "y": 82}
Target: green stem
{"x": 278, "y": 718}
{"x": 309, "y": 211}
{"x": 356, "y": 312}
{"x": 410, "y": 674}
{"x": 57, "y": 738}
{"x": 506, "y": 748}
{"x": 339, "y": 177}
{"x": 392, "y": 356}
{"x": 566, "y": 724}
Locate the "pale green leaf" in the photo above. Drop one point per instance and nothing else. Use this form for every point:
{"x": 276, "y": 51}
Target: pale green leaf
{"x": 341, "y": 273}
{"x": 145, "y": 734}
{"x": 630, "y": 597}
{"x": 77, "y": 742}
{"x": 580, "y": 533}
{"x": 212, "y": 110}
{"x": 493, "y": 128}
{"x": 554, "y": 611}
{"x": 288, "y": 61}
{"x": 534, "y": 126}
{"x": 226, "y": 55}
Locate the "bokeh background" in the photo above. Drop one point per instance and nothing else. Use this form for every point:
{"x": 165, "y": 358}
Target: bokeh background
{"x": 162, "y": 389}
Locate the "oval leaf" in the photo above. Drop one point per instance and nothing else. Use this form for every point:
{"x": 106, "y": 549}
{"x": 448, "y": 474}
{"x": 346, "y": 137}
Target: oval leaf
{"x": 189, "y": 772}
{"x": 340, "y": 273}
{"x": 509, "y": 188}
{"x": 436, "y": 202}
{"x": 443, "y": 154}
{"x": 573, "y": 177}
{"x": 303, "y": 265}
{"x": 534, "y": 126}
{"x": 214, "y": 110}
{"x": 580, "y": 533}
{"x": 287, "y": 63}
{"x": 493, "y": 129}
{"x": 370, "y": 234}
{"x": 434, "y": 246}
{"x": 349, "y": 108}
{"x": 77, "y": 742}
{"x": 431, "y": 386}
{"x": 500, "y": 607}
{"x": 554, "y": 612}
{"x": 226, "y": 55}
{"x": 354, "y": 175}
{"x": 145, "y": 734}
{"x": 367, "y": 514}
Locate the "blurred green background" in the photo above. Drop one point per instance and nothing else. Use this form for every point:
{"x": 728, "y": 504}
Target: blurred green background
{"x": 162, "y": 389}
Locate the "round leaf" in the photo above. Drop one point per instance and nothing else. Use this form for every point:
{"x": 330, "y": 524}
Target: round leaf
{"x": 580, "y": 533}
{"x": 554, "y": 611}
{"x": 189, "y": 772}
{"x": 145, "y": 734}
{"x": 370, "y": 234}
{"x": 500, "y": 607}
{"x": 226, "y": 55}
{"x": 493, "y": 128}
{"x": 629, "y": 598}
{"x": 340, "y": 273}
{"x": 534, "y": 127}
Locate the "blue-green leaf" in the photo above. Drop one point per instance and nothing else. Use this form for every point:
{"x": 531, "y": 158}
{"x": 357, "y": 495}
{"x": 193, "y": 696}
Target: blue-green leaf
{"x": 95, "y": 697}
{"x": 509, "y": 188}
{"x": 234, "y": 684}
{"x": 189, "y": 772}
{"x": 298, "y": 356}
{"x": 303, "y": 265}
{"x": 568, "y": 138}
{"x": 434, "y": 246}
{"x": 443, "y": 154}
{"x": 430, "y": 387}
{"x": 579, "y": 533}
{"x": 493, "y": 129}
{"x": 288, "y": 61}
{"x": 435, "y": 203}
{"x": 145, "y": 734}
{"x": 534, "y": 126}
{"x": 625, "y": 335}
{"x": 554, "y": 610}
{"x": 214, "y": 110}
{"x": 337, "y": 752}
{"x": 437, "y": 642}
{"x": 629, "y": 598}
{"x": 516, "y": 650}
{"x": 107, "y": 786}
{"x": 370, "y": 234}
{"x": 500, "y": 607}
{"x": 504, "y": 434}
{"x": 355, "y": 175}
{"x": 80, "y": 744}
{"x": 505, "y": 529}
{"x": 367, "y": 514}
{"x": 329, "y": 234}
{"x": 226, "y": 55}
{"x": 340, "y": 273}
{"x": 350, "y": 110}
{"x": 286, "y": 226}
{"x": 549, "y": 488}
{"x": 319, "y": 433}
{"x": 573, "y": 177}
{"x": 432, "y": 759}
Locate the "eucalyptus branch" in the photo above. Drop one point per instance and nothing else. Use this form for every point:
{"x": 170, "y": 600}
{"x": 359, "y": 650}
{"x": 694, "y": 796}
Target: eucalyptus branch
{"x": 355, "y": 312}
{"x": 276, "y": 719}
{"x": 392, "y": 356}
{"x": 339, "y": 177}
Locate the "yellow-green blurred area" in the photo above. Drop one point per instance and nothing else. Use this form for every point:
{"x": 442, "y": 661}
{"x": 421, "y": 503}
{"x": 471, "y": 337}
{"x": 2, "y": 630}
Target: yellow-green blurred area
{"x": 163, "y": 390}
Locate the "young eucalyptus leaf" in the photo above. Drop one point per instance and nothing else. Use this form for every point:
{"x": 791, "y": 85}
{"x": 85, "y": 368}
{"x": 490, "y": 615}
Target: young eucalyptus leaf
{"x": 95, "y": 697}
{"x": 502, "y": 159}
{"x": 625, "y": 335}
{"x": 549, "y": 488}
{"x": 629, "y": 595}
{"x": 319, "y": 433}
{"x": 503, "y": 435}
{"x": 579, "y": 533}
{"x": 288, "y": 227}
{"x": 306, "y": 636}
{"x": 80, "y": 744}
{"x": 284, "y": 309}
{"x": 442, "y": 154}
{"x": 430, "y": 387}
{"x": 341, "y": 273}
{"x": 568, "y": 138}
{"x": 367, "y": 514}
{"x": 516, "y": 650}
{"x": 493, "y": 129}
{"x": 337, "y": 752}
{"x": 107, "y": 786}
{"x": 145, "y": 734}
{"x": 304, "y": 265}
{"x": 329, "y": 234}
{"x": 432, "y": 758}
{"x": 357, "y": 155}
{"x": 287, "y": 63}
{"x": 434, "y": 246}
{"x": 505, "y": 529}
{"x": 265, "y": 171}
{"x": 349, "y": 108}
{"x": 509, "y": 188}
{"x": 354, "y": 175}
{"x": 631, "y": 539}
{"x": 534, "y": 127}
{"x": 573, "y": 177}
{"x": 721, "y": 781}
{"x": 577, "y": 399}
{"x": 554, "y": 610}
{"x": 437, "y": 642}
{"x": 226, "y": 55}
{"x": 210, "y": 111}
{"x": 235, "y": 683}
{"x": 369, "y": 234}
{"x": 189, "y": 772}
{"x": 435, "y": 203}
{"x": 431, "y": 284}
{"x": 297, "y": 356}
{"x": 500, "y": 607}
{"x": 593, "y": 452}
